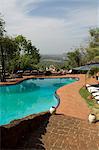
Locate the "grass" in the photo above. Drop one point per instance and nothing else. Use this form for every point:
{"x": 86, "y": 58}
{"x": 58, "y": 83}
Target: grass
{"x": 91, "y": 103}
{"x": 85, "y": 94}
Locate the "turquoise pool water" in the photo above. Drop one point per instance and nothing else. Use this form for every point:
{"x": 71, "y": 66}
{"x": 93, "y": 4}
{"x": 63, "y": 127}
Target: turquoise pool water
{"x": 29, "y": 97}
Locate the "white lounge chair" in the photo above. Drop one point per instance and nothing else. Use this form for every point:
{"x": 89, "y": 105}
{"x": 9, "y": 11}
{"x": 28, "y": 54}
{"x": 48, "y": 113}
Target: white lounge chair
{"x": 88, "y": 85}
{"x": 97, "y": 101}
{"x": 96, "y": 97}
{"x": 95, "y": 94}
{"x": 92, "y": 88}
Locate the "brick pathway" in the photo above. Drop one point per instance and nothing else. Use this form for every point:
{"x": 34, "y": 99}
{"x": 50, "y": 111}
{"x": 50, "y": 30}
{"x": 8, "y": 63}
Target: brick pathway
{"x": 60, "y": 132}
{"x": 71, "y": 102}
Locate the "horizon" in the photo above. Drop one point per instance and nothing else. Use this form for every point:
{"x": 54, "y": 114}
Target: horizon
{"x": 54, "y": 27}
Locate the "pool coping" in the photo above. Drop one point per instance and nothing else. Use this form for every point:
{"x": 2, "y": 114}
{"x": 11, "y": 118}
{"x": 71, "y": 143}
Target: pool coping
{"x": 31, "y": 116}
{"x": 18, "y": 121}
{"x": 19, "y": 80}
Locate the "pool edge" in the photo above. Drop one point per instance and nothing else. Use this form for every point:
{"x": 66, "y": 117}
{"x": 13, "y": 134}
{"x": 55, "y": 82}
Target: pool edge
{"x": 31, "y": 116}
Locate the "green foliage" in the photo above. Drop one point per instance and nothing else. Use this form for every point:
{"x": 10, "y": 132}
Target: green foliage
{"x": 14, "y": 64}
{"x": 27, "y": 49}
{"x": 43, "y": 64}
{"x": 8, "y": 49}
{"x": 2, "y": 26}
{"x": 92, "y": 54}
{"x": 93, "y": 71}
{"x": 26, "y": 61}
{"x": 85, "y": 94}
{"x": 93, "y": 49}
{"x": 94, "y": 38}
{"x": 74, "y": 59}
{"x": 22, "y": 43}
{"x": 16, "y": 53}
{"x": 19, "y": 53}
{"x": 83, "y": 56}
{"x": 96, "y": 58}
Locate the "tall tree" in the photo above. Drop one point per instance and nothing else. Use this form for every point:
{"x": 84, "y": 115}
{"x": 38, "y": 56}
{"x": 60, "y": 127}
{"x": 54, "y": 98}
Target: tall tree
{"x": 94, "y": 33}
{"x": 28, "y": 52}
{"x": 2, "y": 30}
{"x": 74, "y": 58}
{"x": 22, "y": 43}
{"x": 93, "y": 49}
{"x": 2, "y": 27}
{"x": 83, "y": 56}
{"x": 26, "y": 55}
{"x": 8, "y": 50}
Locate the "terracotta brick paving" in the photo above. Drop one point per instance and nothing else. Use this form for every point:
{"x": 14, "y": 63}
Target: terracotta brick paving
{"x": 61, "y": 132}
{"x": 71, "y": 102}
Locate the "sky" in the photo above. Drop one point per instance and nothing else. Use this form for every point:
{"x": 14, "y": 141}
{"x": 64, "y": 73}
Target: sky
{"x": 53, "y": 26}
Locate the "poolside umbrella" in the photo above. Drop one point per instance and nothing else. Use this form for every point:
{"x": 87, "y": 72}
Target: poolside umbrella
{"x": 86, "y": 67}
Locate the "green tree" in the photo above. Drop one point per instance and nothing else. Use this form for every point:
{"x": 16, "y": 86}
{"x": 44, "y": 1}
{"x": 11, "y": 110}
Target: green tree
{"x": 92, "y": 54}
{"x": 27, "y": 55}
{"x": 2, "y": 27}
{"x": 74, "y": 58}
{"x": 8, "y": 50}
{"x": 22, "y": 43}
{"x": 16, "y": 53}
{"x": 93, "y": 49}
{"x": 93, "y": 71}
{"x": 27, "y": 51}
{"x": 86, "y": 55}
{"x": 26, "y": 62}
{"x": 94, "y": 33}
{"x": 32, "y": 51}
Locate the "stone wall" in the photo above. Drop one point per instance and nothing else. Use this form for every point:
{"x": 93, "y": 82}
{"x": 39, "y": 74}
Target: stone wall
{"x": 12, "y": 136}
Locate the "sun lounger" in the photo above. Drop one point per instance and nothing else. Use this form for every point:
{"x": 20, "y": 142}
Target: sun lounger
{"x": 97, "y": 101}
{"x": 88, "y": 85}
{"x": 92, "y": 89}
{"x": 95, "y": 94}
{"x": 97, "y": 98}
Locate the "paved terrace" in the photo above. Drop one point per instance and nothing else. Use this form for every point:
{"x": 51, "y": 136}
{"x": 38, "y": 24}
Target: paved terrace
{"x": 69, "y": 129}
{"x": 60, "y": 132}
{"x": 72, "y": 103}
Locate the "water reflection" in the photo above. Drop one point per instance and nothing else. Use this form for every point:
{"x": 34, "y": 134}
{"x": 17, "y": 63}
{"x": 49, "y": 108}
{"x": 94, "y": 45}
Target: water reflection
{"x": 27, "y": 86}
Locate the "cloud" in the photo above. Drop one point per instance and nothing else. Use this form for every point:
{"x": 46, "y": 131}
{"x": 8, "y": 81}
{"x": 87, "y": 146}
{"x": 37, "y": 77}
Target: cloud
{"x": 53, "y": 26}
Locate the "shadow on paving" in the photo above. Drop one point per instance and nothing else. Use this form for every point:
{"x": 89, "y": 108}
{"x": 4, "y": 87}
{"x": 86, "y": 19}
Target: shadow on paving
{"x": 26, "y": 135}
{"x": 33, "y": 140}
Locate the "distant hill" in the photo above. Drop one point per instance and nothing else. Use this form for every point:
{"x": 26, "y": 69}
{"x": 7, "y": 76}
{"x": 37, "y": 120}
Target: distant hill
{"x": 53, "y": 58}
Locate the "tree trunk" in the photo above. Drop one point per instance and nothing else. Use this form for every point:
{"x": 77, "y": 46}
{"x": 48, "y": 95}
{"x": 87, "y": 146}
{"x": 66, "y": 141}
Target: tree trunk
{"x": 3, "y": 79}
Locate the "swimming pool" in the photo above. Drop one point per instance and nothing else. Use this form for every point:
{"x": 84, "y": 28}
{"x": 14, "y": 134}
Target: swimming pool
{"x": 31, "y": 96}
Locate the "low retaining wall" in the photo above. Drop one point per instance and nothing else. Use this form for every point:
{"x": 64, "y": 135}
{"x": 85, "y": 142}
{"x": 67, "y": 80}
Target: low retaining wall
{"x": 13, "y": 135}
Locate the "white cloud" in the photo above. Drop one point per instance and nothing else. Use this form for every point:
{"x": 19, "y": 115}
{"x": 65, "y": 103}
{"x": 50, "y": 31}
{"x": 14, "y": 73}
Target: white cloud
{"x": 98, "y": 14}
{"x": 50, "y": 35}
